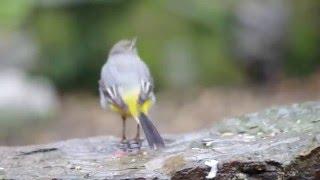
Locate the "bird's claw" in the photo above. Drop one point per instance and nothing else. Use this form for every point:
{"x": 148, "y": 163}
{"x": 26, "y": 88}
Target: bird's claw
{"x": 135, "y": 144}
{"x": 124, "y": 145}
{"x": 132, "y": 146}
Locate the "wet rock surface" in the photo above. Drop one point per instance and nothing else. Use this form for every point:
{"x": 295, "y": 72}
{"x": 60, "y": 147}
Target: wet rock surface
{"x": 278, "y": 143}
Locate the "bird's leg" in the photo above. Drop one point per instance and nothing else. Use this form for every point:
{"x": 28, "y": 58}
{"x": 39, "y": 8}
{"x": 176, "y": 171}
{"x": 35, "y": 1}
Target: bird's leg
{"x": 136, "y": 143}
{"x": 124, "y": 138}
{"x": 138, "y": 133}
{"x": 124, "y": 142}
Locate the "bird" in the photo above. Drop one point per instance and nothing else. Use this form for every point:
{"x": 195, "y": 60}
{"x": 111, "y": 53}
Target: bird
{"x": 127, "y": 88}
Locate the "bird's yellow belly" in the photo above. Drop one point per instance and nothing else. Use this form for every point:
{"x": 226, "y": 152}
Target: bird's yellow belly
{"x": 144, "y": 108}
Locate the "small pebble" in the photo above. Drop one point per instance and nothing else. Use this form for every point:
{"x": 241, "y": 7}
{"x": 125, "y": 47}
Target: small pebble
{"x": 227, "y": 134}
{"x": 209, "y": 143}
{"x": 273, "y": 134}
{"x": 214, "y": 168}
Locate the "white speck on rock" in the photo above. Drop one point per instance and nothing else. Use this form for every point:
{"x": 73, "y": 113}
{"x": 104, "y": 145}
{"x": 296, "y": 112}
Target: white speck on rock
{"x": 209, "y": 143}
{"x": 227, "y": 134}
{"x": 214, "y": 168}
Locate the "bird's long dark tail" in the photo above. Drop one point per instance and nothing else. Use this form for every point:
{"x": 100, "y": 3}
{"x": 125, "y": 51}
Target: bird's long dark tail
{"x": 154, "y": 139}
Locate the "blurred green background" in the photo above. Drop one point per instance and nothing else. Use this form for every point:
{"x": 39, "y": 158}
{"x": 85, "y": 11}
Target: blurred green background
{"x": 188, "y": 44}
{"x": 74, "y": 37}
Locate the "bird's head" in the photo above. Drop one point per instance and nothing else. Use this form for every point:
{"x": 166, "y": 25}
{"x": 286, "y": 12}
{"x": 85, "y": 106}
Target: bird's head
{"x": 124, "y": 46}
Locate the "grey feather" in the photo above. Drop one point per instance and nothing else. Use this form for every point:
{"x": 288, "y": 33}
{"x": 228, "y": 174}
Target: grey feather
{"x": 153, "y": 137}
{"x": 125, "y": 70}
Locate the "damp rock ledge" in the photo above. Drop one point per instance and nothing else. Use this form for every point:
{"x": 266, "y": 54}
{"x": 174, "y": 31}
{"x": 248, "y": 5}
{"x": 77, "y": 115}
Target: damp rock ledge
{"x": 277, "y": 143}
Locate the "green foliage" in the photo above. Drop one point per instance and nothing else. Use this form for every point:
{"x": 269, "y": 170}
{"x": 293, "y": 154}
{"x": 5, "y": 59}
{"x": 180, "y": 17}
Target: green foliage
{"x": 74, "y": 38}
{"x": 74, "y": 43}
{"x": 13, "y": 12}
{"x": 304, "y": 55}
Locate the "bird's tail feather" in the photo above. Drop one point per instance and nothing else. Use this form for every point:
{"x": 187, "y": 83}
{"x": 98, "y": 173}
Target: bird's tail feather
{"x": 154, "y": 139}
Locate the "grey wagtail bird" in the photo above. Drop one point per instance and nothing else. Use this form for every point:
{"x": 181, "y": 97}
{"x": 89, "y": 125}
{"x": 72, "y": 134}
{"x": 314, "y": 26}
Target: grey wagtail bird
{"x": 126, "y": 87}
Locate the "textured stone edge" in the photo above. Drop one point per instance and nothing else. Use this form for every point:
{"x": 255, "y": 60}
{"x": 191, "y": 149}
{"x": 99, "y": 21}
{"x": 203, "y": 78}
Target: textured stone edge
{"x": 302, "y": 167}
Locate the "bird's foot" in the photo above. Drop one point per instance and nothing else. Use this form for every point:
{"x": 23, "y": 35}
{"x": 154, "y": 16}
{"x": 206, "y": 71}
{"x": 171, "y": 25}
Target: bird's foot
{"x": 130, "y": 147}
{"x": 135, "y": 145}
{"x": 124, "y": 145}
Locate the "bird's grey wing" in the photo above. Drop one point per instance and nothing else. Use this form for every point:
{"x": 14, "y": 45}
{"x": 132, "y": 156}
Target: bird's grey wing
{"x": 146, "y": 83}
{"x": 109, "y": 94}
{"x": 103, "y": 98}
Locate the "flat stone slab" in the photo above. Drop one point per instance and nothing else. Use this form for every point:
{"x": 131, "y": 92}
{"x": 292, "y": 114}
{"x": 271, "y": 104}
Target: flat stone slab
{"x": 278, "y": 143}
